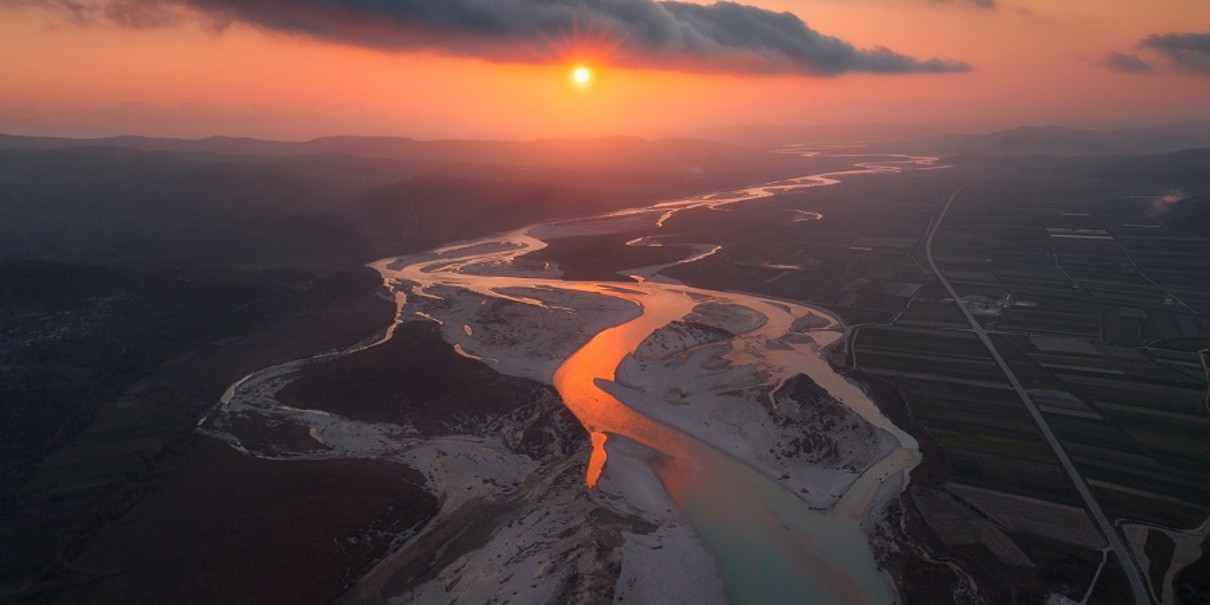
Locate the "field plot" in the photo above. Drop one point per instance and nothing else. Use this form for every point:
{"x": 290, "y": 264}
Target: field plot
{"x": 961, "y": 399}
{"x": 1092, "y": 277}
{"x": 926, "y": 354}
{"x": 1065, "y": 524}
{"x": 1177, "y": 262}
{"x": 958, "y": 525}
{"x": 1100, "y": 308}
{"x": 932, "y": 313}
{"x": 1097, "y": 304}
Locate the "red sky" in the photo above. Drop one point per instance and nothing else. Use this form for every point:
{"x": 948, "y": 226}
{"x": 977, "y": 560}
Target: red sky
{"x": 1034, "y": 62}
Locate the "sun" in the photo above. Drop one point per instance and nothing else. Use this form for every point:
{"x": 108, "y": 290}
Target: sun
{"x": 581, "y": 75}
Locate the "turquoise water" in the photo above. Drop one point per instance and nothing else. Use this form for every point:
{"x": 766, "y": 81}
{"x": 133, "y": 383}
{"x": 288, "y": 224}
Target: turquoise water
{"x": 771, "y": 547}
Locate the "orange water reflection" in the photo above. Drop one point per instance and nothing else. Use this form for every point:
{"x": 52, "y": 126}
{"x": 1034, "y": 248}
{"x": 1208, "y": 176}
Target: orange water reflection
{"x": 599, "y": 412}
{"x": 596, "y": 461}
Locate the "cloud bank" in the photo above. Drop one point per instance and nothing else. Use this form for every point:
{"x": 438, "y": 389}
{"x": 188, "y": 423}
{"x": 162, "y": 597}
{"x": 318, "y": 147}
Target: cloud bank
{"x": 725, "y": 37}
{"x": 1125, "y": 63}
{"x": 975, "y": 3}
{"x": 1188, "y": 51}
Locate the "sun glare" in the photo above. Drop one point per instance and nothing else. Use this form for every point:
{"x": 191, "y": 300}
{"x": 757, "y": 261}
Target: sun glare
{"x": 581, "y": 75}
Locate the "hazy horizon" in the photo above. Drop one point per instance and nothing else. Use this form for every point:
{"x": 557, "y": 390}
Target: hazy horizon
{"x": 856, "y": 132}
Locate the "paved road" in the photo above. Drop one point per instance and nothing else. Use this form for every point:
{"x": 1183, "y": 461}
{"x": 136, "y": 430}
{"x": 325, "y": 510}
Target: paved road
{"x": 1141, "y": 595}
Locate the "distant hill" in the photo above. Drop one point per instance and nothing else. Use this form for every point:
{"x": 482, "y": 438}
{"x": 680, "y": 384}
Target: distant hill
{"x": 598, "y": 154}
{"x": 690, "y": 150}
{"x": 1022, "y": 141}
{"x": 777, "y": 135}
{"x": 329, "y": 201}
{"x": 1054, "y": 140}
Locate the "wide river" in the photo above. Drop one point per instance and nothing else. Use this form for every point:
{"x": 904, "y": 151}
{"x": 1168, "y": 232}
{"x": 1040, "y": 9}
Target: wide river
{"x": 770, "y": 545}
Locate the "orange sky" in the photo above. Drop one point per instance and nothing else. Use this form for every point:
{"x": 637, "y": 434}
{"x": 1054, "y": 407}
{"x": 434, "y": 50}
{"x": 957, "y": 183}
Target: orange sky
{"x": 1034, "y": 60}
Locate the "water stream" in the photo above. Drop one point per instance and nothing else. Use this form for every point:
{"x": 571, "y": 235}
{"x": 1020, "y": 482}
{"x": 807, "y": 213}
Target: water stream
{"x": 772, "y": 547}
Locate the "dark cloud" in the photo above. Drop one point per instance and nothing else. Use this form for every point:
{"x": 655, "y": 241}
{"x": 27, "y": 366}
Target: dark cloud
{"x": 78, "y": 11}
{"x": 1125, "y": 63}
{"x": 974, "y": 3}
{"x": 720, "y": 37}
{"x": 1188, "y": 51}
{"x": 127, "y": 13}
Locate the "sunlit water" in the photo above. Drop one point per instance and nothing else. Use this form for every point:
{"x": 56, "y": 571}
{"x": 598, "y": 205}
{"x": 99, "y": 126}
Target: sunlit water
{"x": 771, "y": 547}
